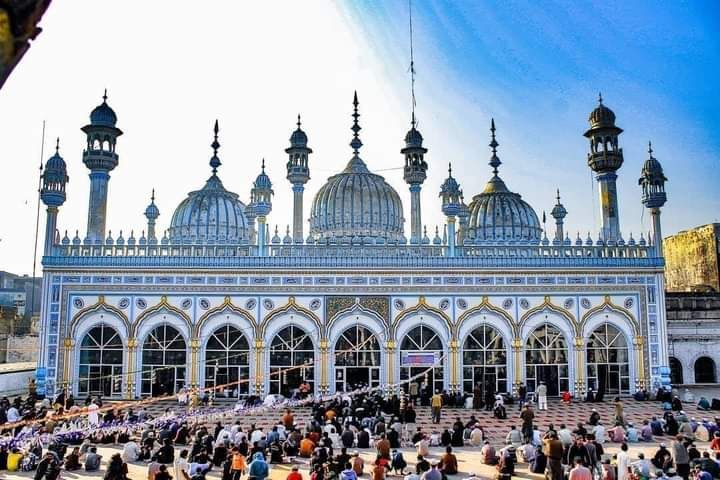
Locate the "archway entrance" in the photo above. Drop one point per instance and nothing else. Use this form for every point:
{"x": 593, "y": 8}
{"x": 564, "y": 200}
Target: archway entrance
{"x": 419, "y": 351}
{"x": 484, "y": 361}
{"x": 164, "y": 361}
{"x": 676, "y": 371}
{"x": 608, "y": 361}
{"x": 292, "y": 361}
{"x": 546, "y": 354}
{"x": 705, "y": 370}
{"x": 357, "y": 359}
{"x": 227, "y": 360}
{"x": 100, "y": 368}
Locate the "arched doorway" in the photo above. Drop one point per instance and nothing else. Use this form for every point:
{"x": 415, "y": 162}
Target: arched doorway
{"x": 608, "y": 361}
{"x": 484, "y": 360}
{"x": 292, "y": 360}
{"x": 101, "y": 362}
{"x": 227, "y": 361}
{"x": 546, "y": 360}
{"x": 357, "y": 359}
{"x": 422, "y": 349}
{"x": 164, "y": 361}
{"x": 705, "y": 370}
{"x": 676, "y": 371}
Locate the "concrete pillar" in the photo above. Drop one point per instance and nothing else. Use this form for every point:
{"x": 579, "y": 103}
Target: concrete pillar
{"x": 97, "y": 207}
{"x": 415, "y": 214}
{"x": 298, "y": 189}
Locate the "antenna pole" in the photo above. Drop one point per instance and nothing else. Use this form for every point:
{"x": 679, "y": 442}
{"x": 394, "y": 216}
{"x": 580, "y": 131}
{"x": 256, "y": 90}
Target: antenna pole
{"x": 412, "y": 60}
{"x": 37, "y": 219}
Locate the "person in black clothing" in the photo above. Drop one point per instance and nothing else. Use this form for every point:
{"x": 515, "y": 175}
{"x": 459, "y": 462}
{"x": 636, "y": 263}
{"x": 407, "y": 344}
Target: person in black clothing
{"x": 446, "y": 438}
{"x": 363, "y": 439}
{"x": 276, "y": 452}
{"x": 457, "y": 435}
{"x": 166, "y": 453}
{"x": 580, "y": 431}
{"x": 422, "y": 465}
{"x": 394, "y": 438}
{"x": 577, "y": 450}
{"x": 48, "y": 468}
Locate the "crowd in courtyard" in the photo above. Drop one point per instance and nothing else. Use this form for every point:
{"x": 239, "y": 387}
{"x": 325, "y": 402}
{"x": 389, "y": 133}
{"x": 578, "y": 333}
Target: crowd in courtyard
{"x": 328, "y": 445}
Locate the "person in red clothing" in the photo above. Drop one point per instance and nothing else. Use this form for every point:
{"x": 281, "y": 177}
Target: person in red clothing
{"x": 715, "y": 444}
{"x": 294, "y": 474}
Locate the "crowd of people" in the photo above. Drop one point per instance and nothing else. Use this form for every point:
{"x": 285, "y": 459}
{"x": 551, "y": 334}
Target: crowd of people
{"x": 330, "y": 442}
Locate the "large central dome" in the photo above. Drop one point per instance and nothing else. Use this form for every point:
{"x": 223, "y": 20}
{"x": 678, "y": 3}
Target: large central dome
{"x": 356, "y": 204}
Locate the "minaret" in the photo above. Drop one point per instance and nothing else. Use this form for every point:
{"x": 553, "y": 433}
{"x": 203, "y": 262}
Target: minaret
{"x": 100, "y": 158}
{"x": 652, "y": 180}
{"x": 414, "y": 175}
{"x": 261, "y": 201}
{"x": 450, "y": 193}
{"x": 52, "y": 193}
{"x": 605, "y": 158}
{"x": 558, "y": 213}
{"x": 463, "y": 221}
{"x": 298, "y": 173}
{"x": 152, "y": 213}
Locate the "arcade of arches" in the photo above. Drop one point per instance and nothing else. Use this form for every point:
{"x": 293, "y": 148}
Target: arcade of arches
{"x": 167, "y": 359}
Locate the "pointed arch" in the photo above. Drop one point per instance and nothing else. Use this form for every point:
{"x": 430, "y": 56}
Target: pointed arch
{"x": 227, "y": 307}
{"x": 162, "y": 306}
{"x": 608, "y": 306}
{"x": 122, "y": 324}
{"x": 485, "y": 307}
{"x": 292, "y": 308}
{"x": 420, "y": 308}
{"x": 342, "y": 320}
{"x": 548, "y": 306}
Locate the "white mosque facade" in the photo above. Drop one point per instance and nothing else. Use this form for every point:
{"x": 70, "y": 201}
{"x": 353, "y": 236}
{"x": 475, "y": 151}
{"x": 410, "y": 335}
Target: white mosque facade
{"x": 214, "y": 299}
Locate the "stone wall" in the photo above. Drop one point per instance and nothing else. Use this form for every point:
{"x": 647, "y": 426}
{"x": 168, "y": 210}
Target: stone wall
{"x": 693, "y": 322}
{"x": 691, "y": 260}
{"x": 22, "y": 348}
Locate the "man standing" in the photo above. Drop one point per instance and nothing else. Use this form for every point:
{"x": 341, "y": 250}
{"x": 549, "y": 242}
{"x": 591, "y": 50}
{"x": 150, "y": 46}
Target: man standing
{"x": 541, "y": 392}
{"x": 680, "y": 457}
{"x": 436, "y": 403}
{"x": 579, "y": 472}
{"x": 553, "y": 450}
{"x": 522, "y": 393}
{"x": 527, "y": 416}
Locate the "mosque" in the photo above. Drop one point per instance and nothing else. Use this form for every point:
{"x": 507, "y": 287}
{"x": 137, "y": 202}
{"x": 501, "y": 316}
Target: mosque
{"x": 491, "y": 301}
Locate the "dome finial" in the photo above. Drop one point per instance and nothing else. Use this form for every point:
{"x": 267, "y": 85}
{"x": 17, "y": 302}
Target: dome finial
{"x": 600, "y": 98}
{"x": 450, "y": 169}
{"x": 57, "y": 145}
{"x": 558, "y": 196}
{"x": 650, "y": 150}
{"x": 298, "y": 122}
{"x": 152, "y": 196}
{"x": 262, "y": 165}
{"x": 215, "y": 145}
{"x": 494, "y": 160}
{"x": 105, "y": 96}
{"x": 356, "y": 143}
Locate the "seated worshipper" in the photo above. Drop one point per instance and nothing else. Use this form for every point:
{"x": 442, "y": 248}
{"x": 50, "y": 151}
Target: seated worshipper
{"x": 307, "y": 446}
{"x": 14, "y": 459}
{"x": 594, "y": 417}
{"x": 499, "y": 411}
{"x": 358, "y": 465}
{"x": 507, "y": 461}
{"x": 92, "y": 460}
{"x": 566, "y": 397}
{"x": 539, "y": 462}
{"x": 617, "y": 433}
{"x": 703, "y": 404}
{"x": 422, "y": 465}
{"x": 526, "y": 453}
{"x": 449, "y": 463}
{"x": 476, "y": 436}
{"x": 646, "y": 433}
{"x": 72, "y": 461}
{"x": 398, "y": 462}
{"x": 423, "y": 447}
{"x": 487, "y": 454}
{"x": 514, "y": 437}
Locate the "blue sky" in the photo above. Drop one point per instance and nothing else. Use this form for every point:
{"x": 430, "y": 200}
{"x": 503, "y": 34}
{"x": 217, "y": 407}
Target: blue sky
{"x": 536, "y": 67}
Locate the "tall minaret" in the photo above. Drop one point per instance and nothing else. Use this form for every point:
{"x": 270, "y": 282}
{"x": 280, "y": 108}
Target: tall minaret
{"x": 152, "y": 213}
{"x": 261, "y": 201}
{"x": 100, "y": 158}
{"x": 605, "y": 158}
{"x": 52, "y": 193}
{"x": 559, "y": 213}
{"x": 298, "y": 173}
{"x": 414, "y": 175}
{"x": 652, "y": 180}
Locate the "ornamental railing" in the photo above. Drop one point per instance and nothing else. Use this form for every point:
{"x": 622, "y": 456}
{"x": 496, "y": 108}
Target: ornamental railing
{"x": 289, "y": 255}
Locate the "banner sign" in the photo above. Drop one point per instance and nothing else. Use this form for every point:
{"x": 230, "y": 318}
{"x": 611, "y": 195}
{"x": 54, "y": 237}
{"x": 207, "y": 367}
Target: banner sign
{"x": 419, "y": 359}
